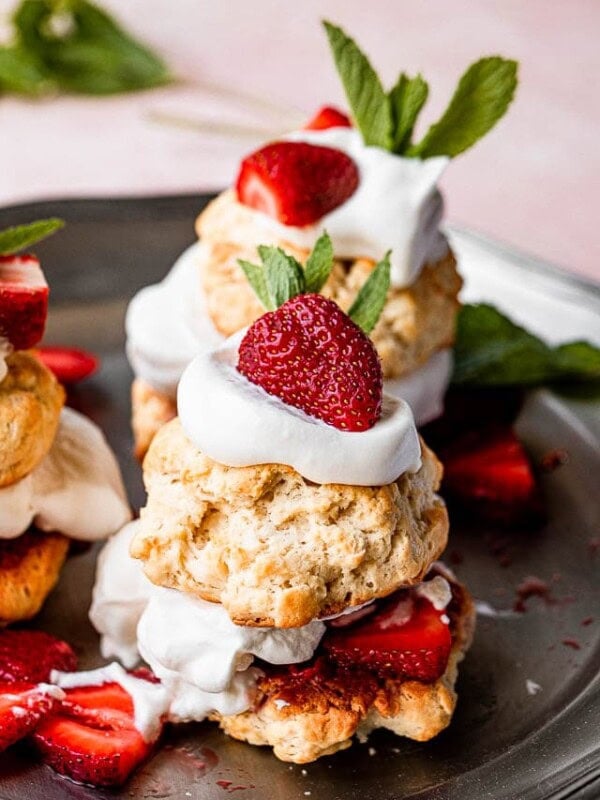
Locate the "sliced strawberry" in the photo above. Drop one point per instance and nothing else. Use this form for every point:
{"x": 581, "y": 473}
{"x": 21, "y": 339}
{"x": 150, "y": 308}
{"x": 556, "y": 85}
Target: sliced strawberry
{"x": 328, "y": 117}
{"x": 23, "y": 301}
{"x": 490, "y": 471}
{"x": 295, "y": 182}
{"x": 311, "y": 355}
{"x": 67, "y": 363}
{"x": 93, "y": 738}
{"x": 407, "y": 639}
{"x": 31, "y": 655}
{"x": 22, "y": 707}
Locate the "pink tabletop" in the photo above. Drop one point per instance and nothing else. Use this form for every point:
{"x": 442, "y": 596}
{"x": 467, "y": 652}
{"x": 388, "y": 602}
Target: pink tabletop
{"x": 533, "y": 182}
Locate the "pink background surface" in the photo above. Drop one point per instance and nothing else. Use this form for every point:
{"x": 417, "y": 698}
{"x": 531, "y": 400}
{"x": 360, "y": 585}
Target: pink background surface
{"x": 532, "y": 182}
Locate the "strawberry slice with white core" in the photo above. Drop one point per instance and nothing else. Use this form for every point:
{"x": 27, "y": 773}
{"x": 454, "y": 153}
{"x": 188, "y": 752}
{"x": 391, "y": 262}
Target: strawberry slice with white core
{"x": 408, "y": 639}
{"x": 93, "y": 738}
{"x": 22, "y": 707}
{"x": 296, "y": 183}
{"x": 328, "y": 117}
{"x": 23, "y": 301}
{"x": 69, "y": 364}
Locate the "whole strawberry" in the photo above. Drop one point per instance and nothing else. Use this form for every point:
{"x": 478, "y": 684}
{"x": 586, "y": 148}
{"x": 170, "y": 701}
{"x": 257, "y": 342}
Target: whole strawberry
{"x": 311, "y": 355}
{"x": 309, "y": 352}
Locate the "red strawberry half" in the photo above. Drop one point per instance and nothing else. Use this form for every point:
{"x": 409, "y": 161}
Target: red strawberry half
{"x": 328, "y": 117}
{"x": 93, "y": 738}
{"x": 407, "y": 639}
{"x": 22, "y": 707}
{"x": 23, "y": 301}
{"x": 67, "y": 363}
{"x": 31, "y": 656}
{"x": 490, "y": 471}
{"x": 295, "y": 182}
{"x": 311, "y": 355}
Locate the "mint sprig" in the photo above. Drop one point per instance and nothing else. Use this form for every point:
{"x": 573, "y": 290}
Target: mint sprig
{"x": 387, "y": 120}
{"x": 74, "y": 46}
{"x": 481, "y": 98}
{"x": 368, "y": 305}
{"x": 281, "y": 277}
{"x": 492, "y": 350}
{"x": 21, "y": 236}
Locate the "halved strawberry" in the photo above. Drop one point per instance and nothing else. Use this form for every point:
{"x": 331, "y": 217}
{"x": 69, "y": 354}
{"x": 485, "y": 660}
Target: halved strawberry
{"x": 311, "y": 355}
{"x": 69, "y": 364}
{"x": 93, "y": 738}
{"x": 31, "y": 655}
{"x": 407, "y": 639}
{"x": 23, "y": 301}
{"x": 295, "y": 182}
{"x": 22, "y": 707}
{"x": 490, "y": 471}
{"x": 328, "y": 117}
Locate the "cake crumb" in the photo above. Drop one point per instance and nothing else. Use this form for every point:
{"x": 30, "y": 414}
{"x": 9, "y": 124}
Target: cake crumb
{"x": 532, "y": 687}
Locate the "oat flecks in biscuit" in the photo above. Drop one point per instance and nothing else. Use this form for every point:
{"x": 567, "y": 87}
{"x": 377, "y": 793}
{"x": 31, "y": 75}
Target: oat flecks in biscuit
{"x": 274, "y": 548}
{"x": 150, "y": 410}
{"x": 416, "y": 322}
{"x": 326, "y": 720}
{"x": 29, "y": 569}
{"x": 30, "y": 403}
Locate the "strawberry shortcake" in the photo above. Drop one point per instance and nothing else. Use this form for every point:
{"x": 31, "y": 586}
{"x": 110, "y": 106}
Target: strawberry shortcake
{"x": 58, "y": 476}
{"x": 373, "y": 189}
{"x": 283, "y": 579}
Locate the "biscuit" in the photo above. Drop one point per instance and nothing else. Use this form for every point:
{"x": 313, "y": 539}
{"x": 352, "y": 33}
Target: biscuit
{"x": 276, "y": 549}
{"x": 320, "y": 718}
{"x": 29, "y": 569}
{"x": 150, "y": 410}
{"x": 416, "y": 322}
{"x": 30, "y": 403}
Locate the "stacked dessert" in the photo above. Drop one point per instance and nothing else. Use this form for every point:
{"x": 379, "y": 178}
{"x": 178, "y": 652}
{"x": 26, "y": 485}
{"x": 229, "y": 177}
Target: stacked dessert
{"x": 58, "y": 477}
{"x": 286, "y": 584}
{"x": 372, "y": 190}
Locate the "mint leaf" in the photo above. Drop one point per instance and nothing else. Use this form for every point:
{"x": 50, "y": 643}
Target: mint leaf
{"x": 368, "y": 101}
{"x": 17, "y": 238}
{"x": 83, "y": 49}
{"x": 319, "y": 264}
{"x": 258, "y": 281}
{"x": 284, "y": 275}
{"x": 407, "y": 98}
{"x": 369, "y": 302}
{"x": 491, "y": 350}
{"x": 482, "y": 97}
{"x": 20, "y": 73}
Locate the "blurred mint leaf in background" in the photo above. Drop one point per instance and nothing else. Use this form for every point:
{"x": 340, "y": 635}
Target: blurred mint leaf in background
{"x": 21, "y": 236}
{"x": 75, "y": 46}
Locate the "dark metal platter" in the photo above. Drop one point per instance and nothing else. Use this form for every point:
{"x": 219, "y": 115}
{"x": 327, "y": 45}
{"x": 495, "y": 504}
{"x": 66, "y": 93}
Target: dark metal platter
{"x": 504, "y": 742}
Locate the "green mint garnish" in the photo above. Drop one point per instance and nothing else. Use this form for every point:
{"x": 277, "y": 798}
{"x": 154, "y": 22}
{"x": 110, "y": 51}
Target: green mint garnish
{"x": 74, "y": 46}
{"x": 281, "y": 277}
{"x": 387, "y": 120}
{"x": 369, "y": 302}
{"x": 21, "y": 236}
{"x": 368, "y": 101}
{"x": 491, "y": 350}
{"x": 482, "y": 97}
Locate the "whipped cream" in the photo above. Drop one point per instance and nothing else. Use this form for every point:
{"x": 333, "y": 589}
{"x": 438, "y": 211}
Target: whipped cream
{"x": 121, "y": 593}
{"x": 424, "y": 388}
{"x": 239, "y": 424}
{"x": 76, "y": 489}
{"x": 167, "y": 324}
{"x": 437, "y": 590}
{"x": 396, "y": 206}
{"x": 5, "y": 351}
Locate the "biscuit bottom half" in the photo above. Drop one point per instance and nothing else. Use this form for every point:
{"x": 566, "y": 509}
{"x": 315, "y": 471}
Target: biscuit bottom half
{"x": 29, "y": 569}
{"x": 316, "y": 709}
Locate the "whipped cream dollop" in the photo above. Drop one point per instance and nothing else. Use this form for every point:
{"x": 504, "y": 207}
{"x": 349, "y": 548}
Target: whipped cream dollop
{"x": 5, "y": 351}
{"x": 396, "y": 206}
{"x": 76, "y": 489}
{"x": 239, "y": 424}
{"x": 167, "y": 325}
